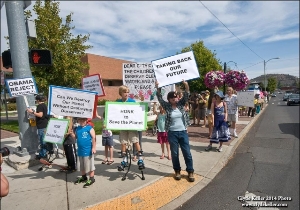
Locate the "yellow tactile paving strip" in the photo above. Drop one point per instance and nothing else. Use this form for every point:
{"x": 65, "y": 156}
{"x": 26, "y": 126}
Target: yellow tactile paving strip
{"x": 152, "y": 196}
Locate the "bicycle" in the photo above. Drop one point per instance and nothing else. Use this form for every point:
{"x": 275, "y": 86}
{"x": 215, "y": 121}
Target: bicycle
{"x": 128, "y": 164}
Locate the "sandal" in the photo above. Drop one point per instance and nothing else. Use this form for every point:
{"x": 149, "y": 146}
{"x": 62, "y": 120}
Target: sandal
{"x": 110, "y": 162}
{"x": 105, "y": 161}
{"x": 162, "y": 157}
{"x": 134, "y": 159}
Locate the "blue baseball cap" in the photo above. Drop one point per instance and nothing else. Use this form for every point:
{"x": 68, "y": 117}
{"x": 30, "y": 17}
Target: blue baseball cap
{"x": 220, "y": 93}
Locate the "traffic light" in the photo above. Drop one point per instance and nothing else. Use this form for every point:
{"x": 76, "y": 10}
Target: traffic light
{"x": 6, "y": 59}
{"x": 40, "y": 57}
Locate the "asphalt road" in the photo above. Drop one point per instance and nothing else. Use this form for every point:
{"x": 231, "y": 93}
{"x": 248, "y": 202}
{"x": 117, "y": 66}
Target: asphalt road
{"x": 265, "y": 164}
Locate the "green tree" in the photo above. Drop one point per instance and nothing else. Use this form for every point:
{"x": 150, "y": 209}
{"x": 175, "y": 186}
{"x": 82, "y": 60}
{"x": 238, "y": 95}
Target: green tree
{"x": 272, "y": 84}
{"x": 67, "y": 49}
{"x": 206, "y": 61}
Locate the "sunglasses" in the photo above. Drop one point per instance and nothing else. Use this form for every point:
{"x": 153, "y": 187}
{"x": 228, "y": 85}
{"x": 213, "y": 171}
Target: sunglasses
{"x": 174, "y": 96}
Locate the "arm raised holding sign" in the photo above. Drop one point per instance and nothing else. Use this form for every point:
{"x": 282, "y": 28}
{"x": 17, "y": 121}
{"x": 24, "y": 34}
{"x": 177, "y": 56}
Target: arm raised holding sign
{"x": 176, "y": 123}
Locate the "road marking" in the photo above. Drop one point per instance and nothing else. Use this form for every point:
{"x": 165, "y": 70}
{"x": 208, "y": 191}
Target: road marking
{"x": 152, "y": 196}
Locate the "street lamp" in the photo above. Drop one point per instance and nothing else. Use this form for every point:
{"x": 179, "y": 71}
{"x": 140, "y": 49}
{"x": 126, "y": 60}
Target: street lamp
{"x": 265, "y": 63}
{"x": 225, "y": 65}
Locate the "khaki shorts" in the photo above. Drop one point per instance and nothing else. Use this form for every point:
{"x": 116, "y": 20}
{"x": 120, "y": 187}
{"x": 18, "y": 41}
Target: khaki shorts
{"x": 232, "y": 117}
{"x": 86, "y": 164}
{"x": 126, "y": 137}
{"x": 209, "y": 119}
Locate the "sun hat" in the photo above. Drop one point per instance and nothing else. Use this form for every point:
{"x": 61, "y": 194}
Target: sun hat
{"x": 207, "y": 91}
{"x": 219, "y": 93}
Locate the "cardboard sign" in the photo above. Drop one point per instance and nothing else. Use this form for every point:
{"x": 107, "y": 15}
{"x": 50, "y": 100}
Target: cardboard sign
{"x": 173, "y": 69}
{"x": 93, "y": 83}
{"x": 126, "y": 116}
{"x": 246, "y": 98}
{"x": 140, "y": 79}
{"x": 71, "y": 102}
{"x": 21, "y": 87}
{"x": 56, "y": 130}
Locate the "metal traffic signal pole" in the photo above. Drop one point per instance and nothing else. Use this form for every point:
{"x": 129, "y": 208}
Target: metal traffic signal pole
{"x": 21, "y": 69}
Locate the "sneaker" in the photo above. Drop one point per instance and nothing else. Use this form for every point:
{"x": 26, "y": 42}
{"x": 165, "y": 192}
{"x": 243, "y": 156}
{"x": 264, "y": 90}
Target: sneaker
{"x": 80, "y": 180}
{"x": 191, "y": 177}
{"x": 209, "y": 147}
{"x": 177, "y": 175}
{"x": 235, "y": 135}
{"x": 122, "y": 166}
{"x": 88, "y": 183}
{"x": 220, "y": 149}
{"x": 141, "y": 164}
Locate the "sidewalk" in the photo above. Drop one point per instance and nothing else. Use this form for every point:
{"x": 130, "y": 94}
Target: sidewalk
{"x": 51, "y": 189}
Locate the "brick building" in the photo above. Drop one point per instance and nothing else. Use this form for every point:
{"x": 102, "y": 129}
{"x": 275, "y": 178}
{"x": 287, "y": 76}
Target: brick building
{"x": 110, "y": 70}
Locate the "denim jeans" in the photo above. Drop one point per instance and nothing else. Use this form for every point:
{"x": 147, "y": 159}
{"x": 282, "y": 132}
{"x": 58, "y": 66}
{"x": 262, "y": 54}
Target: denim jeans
{"x": 41, "y": 134}
{"x": 181, "y": 138}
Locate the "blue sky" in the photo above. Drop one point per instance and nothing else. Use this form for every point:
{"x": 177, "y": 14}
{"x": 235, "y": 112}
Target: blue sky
{"x": 145, "y": 31}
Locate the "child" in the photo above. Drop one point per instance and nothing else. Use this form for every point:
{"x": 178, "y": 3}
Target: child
{"x": 108, "y": 143}
{"x": 69, "y": 147}
{"x": 219, "y": 116}
{"x": 162, "y": 136}
{"x": 86, "y": 142}
{"x": 128, "y": 136}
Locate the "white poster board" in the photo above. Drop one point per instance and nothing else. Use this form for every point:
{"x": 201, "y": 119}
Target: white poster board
{"x": 246, "y": 98}
{"x": 56, "y": 130}
{"x": 126, "y": 116}
{"x": 173, "y": 69}
{"x": 21, "y": 87}
{"x": 93, "y": 83}
{"x": 71, "y": 102}
{"x": 140, "y": 79}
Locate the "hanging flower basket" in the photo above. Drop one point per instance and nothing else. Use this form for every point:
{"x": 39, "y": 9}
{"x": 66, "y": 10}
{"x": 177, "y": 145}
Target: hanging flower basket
{"x": 214, "y": 79}
{"x": 238, "y": 80}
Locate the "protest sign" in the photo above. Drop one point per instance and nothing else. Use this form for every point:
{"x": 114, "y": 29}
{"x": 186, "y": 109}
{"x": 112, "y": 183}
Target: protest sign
{"x": 93, "y": 83}
{"x": 71, "y": 102}
{"x": 126, "y": 115}
{"x": 21, "y": 87}
{"x": 56, "y": 130}
{"x": 173, "y": 69}
{"x": 245, "y": 98}
{"x": 140, "y": 79}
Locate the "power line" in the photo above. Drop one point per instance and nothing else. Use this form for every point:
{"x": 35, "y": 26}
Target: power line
{"x": 253, "y": 65}
{"x": 230, "y": 30}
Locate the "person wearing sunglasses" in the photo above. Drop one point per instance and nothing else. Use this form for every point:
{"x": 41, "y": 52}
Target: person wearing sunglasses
{"x": 177, "y": 121}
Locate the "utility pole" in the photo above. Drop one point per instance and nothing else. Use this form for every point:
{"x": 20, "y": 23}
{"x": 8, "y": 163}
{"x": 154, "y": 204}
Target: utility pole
{"x": 21, "y": 69}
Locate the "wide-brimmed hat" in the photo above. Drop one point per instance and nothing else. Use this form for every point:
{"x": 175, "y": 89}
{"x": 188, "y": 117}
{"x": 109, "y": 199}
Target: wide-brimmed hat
{"x": 207, "y": 91}
{"x": 219, "y": 93}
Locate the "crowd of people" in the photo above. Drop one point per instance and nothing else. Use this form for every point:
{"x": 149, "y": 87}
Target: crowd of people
{"x": 218, "y": 112}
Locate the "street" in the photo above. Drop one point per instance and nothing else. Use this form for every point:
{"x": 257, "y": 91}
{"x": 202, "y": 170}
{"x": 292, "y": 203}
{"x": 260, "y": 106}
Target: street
{"x": 265, "y": 164}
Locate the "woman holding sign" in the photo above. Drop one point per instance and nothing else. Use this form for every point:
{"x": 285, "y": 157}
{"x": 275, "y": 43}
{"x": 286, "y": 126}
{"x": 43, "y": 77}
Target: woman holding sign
{"x": 177, "y": 121}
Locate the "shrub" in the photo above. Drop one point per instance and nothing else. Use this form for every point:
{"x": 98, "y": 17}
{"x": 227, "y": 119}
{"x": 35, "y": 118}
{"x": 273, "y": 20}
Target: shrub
{"x": 101, "y": 102}
{"x": 11, "y": 107}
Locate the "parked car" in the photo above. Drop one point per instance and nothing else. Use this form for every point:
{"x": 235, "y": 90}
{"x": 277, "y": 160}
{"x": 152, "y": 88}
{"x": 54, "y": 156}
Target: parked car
{"x": 293, "y": 99}
{"x": 285, "y": 97}
{"x": 273, "y": 95}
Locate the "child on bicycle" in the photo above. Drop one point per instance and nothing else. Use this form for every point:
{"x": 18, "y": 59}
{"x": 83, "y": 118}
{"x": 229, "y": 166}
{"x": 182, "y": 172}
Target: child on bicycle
{"x": 128, "y": 136}
{"x": 162, "y": 137}
{"x": 86, "y": 143}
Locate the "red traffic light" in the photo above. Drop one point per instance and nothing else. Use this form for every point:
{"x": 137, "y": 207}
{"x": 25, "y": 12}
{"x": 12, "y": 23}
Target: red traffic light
{"x": 40, "y": 57}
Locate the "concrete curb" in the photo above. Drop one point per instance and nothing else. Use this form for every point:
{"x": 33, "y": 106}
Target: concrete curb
{"x": 210, "y": 175}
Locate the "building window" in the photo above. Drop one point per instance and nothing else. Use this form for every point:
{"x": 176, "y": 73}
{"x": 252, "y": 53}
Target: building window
{"x": 110, "y": 83}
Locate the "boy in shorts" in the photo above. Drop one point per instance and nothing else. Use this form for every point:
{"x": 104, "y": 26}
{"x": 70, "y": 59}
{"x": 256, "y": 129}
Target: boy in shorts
{"x": 128, "y": 136}
{"x": 86, "y": 142}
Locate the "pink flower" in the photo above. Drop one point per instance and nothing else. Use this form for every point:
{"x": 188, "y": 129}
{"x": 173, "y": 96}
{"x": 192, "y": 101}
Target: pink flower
{"x": 238, "y": 80}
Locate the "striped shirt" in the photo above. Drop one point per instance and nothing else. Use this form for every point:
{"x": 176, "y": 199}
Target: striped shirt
{"x": 168, "y": 108}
